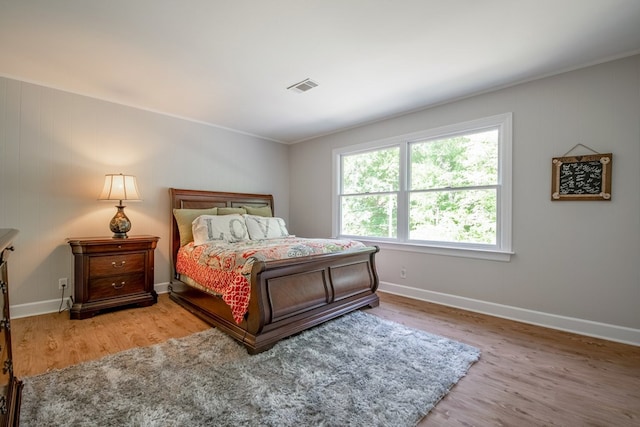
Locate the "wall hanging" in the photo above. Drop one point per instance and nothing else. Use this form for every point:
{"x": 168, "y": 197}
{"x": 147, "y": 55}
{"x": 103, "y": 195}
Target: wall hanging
{"x": 585, "y": 177}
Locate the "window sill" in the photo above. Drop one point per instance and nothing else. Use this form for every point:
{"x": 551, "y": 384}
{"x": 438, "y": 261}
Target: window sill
{"x": 476, "y": 253}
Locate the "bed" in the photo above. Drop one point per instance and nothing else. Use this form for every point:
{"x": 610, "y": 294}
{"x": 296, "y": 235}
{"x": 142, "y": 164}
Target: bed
{"x": 286, "y": 296}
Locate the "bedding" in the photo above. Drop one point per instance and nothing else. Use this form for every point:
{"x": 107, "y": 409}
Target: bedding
{"x": 259, "y": 211}
{"x": 225, "y": 267}
{"x": 184, "y": 219}
{"x": 223, "y": 228}
{"x": 260, "y": 227}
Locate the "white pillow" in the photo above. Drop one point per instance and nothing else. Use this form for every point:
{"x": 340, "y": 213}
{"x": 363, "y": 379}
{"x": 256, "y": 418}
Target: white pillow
{"x": 262, "y": 227}
{"x": 219, "y": 228}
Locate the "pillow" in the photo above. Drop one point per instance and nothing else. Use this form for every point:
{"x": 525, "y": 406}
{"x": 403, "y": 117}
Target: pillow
{"x": 184, "y": 218}
{"x": 259, "y": 211}
{"x": 219, "y": 228}
{"x": 229, "y": 211}
{"x": 261, "y": 227}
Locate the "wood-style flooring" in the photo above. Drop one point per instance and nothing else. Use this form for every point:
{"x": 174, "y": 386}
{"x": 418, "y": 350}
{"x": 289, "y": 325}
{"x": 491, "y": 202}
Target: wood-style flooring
{"x": 526, "y": 376}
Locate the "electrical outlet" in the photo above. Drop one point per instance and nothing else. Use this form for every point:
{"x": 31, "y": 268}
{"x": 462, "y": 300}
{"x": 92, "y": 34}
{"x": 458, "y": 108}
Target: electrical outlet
{"x": 62, "y": 283}
{"x": 403, "y": 273}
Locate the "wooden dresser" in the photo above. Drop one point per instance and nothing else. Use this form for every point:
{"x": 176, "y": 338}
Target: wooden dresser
{"x": 112, "y": 273}
{"x": 10, "y": 386}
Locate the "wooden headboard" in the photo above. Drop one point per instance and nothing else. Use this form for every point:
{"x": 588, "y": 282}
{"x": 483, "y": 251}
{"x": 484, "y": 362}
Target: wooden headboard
{"x": 199, "y": 199}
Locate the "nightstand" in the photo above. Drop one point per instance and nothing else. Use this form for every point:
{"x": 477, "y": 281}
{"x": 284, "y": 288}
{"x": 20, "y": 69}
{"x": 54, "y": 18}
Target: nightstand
{"x": 112, "y": 273}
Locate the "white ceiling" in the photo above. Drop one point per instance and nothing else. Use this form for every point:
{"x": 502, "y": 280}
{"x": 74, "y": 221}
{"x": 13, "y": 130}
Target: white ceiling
{"x": 228, "y": 62}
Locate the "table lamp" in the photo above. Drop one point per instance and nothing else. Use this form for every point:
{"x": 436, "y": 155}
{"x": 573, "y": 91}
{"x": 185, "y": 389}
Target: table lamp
{"x": 120, "y": 187}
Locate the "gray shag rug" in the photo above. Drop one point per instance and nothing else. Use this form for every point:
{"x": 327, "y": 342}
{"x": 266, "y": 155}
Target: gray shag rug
{"x": 357, "y": 370}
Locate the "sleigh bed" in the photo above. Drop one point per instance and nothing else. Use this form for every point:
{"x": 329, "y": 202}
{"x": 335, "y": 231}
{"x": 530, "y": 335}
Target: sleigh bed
{"x": 285, "y": 296}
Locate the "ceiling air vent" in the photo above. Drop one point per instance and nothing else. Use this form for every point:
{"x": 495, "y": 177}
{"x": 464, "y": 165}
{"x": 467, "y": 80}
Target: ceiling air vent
{"x": 303, "y": 86}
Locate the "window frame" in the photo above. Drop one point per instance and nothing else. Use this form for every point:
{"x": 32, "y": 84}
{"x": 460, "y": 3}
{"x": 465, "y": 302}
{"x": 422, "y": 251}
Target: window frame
{"x": 501, "y": 251}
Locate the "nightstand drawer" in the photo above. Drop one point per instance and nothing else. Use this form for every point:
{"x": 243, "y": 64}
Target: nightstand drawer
{"x": 109, "y": 287}
{"x": 116, "y": 264}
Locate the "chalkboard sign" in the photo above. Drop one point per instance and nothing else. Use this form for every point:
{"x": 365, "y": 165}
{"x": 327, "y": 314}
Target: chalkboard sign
{"x": 581, "y": 177}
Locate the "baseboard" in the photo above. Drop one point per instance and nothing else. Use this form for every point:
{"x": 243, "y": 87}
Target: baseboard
{"x": 605, "y": 331}
{"x": 54, "y": 305}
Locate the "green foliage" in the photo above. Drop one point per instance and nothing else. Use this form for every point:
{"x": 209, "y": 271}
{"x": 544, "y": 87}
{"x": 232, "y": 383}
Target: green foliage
{"x": 454, "y": 216}
{"x": 375, "y": 216}
{"x": 462, "y": 161}
{"x": 371, "y": 172}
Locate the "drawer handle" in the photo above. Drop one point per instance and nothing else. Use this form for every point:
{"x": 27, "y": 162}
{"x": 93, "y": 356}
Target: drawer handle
{"x": 118, "y": 266}
{"x": 120, "y": 286}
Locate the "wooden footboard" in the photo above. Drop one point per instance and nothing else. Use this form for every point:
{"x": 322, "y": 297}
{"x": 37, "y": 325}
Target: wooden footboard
{"x": 289, "y": 296}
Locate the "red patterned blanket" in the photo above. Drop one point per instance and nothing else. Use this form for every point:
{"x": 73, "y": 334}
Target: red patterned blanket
{"x": 226, "y": 267}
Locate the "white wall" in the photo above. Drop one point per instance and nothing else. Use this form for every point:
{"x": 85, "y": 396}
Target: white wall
{"x": 576, "y": 264}
{"x": 55, "y": 148}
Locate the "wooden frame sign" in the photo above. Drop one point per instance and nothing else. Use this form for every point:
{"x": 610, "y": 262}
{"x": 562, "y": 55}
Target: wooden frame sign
{"x": 581, "y": 177}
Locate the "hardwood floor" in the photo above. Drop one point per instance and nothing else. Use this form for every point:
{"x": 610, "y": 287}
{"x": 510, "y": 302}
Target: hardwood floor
{"x": 526, "y": 376}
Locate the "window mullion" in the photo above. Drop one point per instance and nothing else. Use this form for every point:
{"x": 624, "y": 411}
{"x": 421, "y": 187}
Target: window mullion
{"x": 403, "y": 197}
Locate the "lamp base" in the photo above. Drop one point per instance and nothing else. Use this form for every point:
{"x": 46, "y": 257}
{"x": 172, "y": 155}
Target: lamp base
{"x": 120, "y": 224}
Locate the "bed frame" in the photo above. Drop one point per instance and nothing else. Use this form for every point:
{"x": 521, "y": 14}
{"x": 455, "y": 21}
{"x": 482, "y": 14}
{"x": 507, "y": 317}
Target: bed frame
{"x": 287, "y": 296}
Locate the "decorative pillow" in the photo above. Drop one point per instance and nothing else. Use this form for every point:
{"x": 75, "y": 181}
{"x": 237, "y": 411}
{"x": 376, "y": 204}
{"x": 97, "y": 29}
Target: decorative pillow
{"x": 261, "y": 227}
{"x": 259, "y": 211}
{"x": 226, "y": 228}
{"x": 229, "y": 211}
{"x": 184, "y": 219}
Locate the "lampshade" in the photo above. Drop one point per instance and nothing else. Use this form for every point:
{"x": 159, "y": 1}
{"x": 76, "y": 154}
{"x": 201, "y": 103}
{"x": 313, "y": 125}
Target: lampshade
{"x": 119, "y": 187}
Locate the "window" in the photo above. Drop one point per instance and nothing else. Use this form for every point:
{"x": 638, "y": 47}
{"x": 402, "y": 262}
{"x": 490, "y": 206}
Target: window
{"x": 445, "y": 190}
{"x": 370, "y": 188}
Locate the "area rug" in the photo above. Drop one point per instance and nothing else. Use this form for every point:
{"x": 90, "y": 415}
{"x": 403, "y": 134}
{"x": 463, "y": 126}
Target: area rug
{"x": 357, "y": 370}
